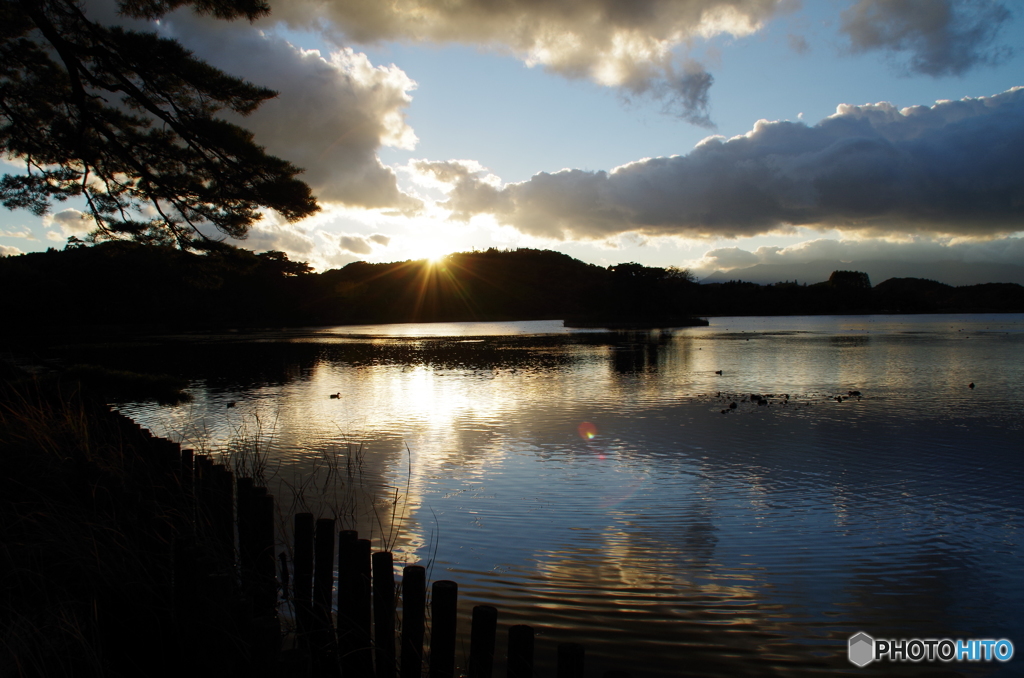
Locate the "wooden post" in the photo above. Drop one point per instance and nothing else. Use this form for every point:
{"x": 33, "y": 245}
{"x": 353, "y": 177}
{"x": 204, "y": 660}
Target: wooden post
{"x": 246, "y": 549}
{"x": 414, "y": 603}
{"x": 384, "y": 613}
{"x": 302, "y": 577}
{"x": 520, "y": 652}
{"x": 570, "y": 660}
{"x": 481, "y": 641}
{"x": 222, "y": 513}
{"x": 323, "y": 645}
{"x": 443, "y": 609}
{"x": 354, "y": 600}
{"x": 346, "y": 600}
{"x": 323, "y": 572}
{"x": 186, "y": 578}
{"x": 265, "y": 601}
{"x": 204, "y": 496}
{"x": 188, "y": 483}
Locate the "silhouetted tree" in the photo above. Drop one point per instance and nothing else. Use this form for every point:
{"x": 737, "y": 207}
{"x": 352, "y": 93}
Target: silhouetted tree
{"x": 850, "y": 280}
{"x": 279, "y": 263}
{"x": 684, "y": 274}
{"x": 127, "y": 121}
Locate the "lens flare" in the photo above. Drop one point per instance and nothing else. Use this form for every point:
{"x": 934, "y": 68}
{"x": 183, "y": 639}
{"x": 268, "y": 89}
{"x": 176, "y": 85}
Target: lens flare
{"x": 587, "y": 430}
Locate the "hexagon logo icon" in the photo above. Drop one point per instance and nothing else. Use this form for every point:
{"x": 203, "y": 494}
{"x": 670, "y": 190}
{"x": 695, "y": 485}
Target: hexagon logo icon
{"x": 861, "y": 649}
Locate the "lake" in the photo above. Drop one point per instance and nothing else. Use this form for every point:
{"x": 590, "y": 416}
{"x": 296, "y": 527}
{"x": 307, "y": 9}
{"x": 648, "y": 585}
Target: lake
{"x": 602, "y": 488}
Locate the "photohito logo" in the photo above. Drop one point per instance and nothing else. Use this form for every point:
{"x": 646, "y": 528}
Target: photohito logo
{"x": 862, "y": 649}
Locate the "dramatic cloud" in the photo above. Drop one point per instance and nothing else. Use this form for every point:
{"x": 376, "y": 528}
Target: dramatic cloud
{"x": 613, "y": 43}
{"x": 953, "y": 168}
{"x": 938, "y": 37}
{"x": 331, "y": 116}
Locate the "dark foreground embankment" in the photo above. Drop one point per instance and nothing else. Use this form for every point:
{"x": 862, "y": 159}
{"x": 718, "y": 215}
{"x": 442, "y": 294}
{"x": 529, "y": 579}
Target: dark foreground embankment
{"x": 125, "y": 555}
{"x": 109, "y": 570}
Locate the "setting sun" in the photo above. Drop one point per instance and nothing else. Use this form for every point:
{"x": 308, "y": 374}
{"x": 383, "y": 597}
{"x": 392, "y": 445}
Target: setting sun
{"x": 437, "y": 258}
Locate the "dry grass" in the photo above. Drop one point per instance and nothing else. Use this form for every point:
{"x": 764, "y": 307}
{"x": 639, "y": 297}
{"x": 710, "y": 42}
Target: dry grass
{"x": 74, "y": 504}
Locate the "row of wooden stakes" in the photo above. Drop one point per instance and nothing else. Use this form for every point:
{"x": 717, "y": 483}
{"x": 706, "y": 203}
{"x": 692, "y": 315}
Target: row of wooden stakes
{"x": 344, "y": 597}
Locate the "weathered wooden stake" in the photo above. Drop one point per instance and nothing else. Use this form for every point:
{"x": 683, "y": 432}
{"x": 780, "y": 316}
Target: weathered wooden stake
{"x": 246, "y": 547}
{"x": 188, "y": 482}
{"x": 323, "y": 572}
{"x": 302, "y": 577}
{"x": 222, "y": 513}
{"x": 481, "y": 641}
{"x": 520, "y": 652}
{"x": 265, "y": 601}
{"x": 354, "y": 600}
{"x": 346, "y": 600}
{"x": 323, "y": 644}
{"x": 414, "y": 602}
{"x": 443, "y": 609}
{"x": 384, "y": 613}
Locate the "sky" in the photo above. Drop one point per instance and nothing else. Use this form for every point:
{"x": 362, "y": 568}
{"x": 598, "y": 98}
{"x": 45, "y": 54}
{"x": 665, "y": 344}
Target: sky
{"x": 707, "y": 134}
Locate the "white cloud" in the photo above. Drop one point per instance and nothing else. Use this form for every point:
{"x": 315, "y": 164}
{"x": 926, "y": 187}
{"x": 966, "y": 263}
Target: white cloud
{"x": 335, "y": 250}
{"x": 1007, "y": 250}
{"x": 23, "y": 233}
{"x": 953, "y": 169}
{"x": 358, "y": 244}
{"x": 727, "y": 258}
{"x": 313, "y": 241}
{"x": 274, "y": 233}
{"x": 332, "y": 113}
{"x": 7, "y": 251}
{"x": 611, "y": 42}
{"x": 70, "y": 221}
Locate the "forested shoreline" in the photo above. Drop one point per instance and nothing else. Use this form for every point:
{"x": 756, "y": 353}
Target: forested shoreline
{"x": 124, "y": 284}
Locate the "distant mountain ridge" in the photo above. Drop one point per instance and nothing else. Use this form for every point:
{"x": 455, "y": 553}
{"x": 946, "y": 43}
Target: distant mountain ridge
{"x": 955, "y": 273}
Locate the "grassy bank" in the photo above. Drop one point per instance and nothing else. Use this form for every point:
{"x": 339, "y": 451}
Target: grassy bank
{"x": 90, "y": 523}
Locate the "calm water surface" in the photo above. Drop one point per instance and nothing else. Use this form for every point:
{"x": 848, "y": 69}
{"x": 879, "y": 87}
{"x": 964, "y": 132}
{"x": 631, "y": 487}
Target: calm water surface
{"x": 590, "y": 485}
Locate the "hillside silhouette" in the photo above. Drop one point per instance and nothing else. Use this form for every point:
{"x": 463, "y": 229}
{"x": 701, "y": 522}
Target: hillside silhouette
{"x": 118, "y": 284}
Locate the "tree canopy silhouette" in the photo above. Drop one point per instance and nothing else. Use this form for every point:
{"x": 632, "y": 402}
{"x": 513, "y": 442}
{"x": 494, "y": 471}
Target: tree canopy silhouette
{"x": 127, "y": 120}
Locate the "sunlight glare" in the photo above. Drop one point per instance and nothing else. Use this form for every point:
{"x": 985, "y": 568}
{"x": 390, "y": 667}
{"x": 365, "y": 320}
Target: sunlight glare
{"x": 437, "y": 258}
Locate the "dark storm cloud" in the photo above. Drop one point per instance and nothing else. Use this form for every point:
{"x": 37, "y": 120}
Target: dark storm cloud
{"x": 937, "y": 37}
